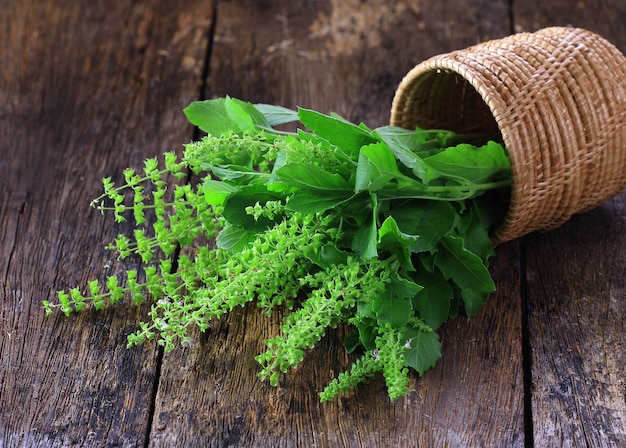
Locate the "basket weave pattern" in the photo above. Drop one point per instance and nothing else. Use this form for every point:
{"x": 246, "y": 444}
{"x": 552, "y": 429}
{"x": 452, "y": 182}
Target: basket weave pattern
{"x": 557, "y": 97}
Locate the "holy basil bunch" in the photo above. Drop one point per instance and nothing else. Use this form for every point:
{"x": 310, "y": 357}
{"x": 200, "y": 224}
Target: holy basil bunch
{"x": 384, "y": 230}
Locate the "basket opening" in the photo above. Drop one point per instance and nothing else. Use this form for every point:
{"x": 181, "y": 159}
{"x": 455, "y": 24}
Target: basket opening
{"x": 443, "y": 99}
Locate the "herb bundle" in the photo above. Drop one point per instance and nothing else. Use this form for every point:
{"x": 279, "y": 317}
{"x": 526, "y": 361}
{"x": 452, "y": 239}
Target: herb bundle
{"x": 385, "y": 231}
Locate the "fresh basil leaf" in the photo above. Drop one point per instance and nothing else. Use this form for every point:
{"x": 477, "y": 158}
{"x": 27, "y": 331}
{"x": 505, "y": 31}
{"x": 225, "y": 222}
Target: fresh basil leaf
{"x": 233, "y": 238}
{"x": 328, "y": 255}
{"x": 216, "y": 192}
{"x": 475, "y": 233}
{"x": 473, "y": 300}
{"x": 465, "y": 268}
{"x": 276, "y": 115}
{"x": 368, "y": 331}
{"x": 455, "y": 303}
{"x": 402, "y": 287}
{"x": 281, "y": 160}
{"x": 376, "y": 167}
{"x": 364, "y": 240}
{"x": 392, "y": 310}
{"x": 308, "y": 201}
{"x": 395, "y": 306}
{"x": 404, "y": 143}
{"x": 352, "y": 341}
{"x": 391, "y": 239}
{"x": 433, "y": 301}
{"x": 244, "y": 111}
{"x": 236, "y": 204}
{"x": 429, "y": 221}
{"x": 424, "y": 351}
{"x": 241, "y": 173}
{"x": 219, "y": 116}
{"x": 382, "y": 158}
{"x": 475, "y": 164}
{"x": 427, "y": 260}
{"x": 409, "y": 147}
{"x": 336, "y": 130}
{"x": 311, "y": 177}
{"x": 364, "y": 311}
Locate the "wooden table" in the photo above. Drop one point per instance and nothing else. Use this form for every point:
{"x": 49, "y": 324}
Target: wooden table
{"x": 89, "y": 88}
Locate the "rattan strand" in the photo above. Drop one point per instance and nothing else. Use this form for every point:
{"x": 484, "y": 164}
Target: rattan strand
{"x": 558, "y": 98}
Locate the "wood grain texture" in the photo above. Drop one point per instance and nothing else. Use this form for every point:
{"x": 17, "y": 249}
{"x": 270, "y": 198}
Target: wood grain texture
{"x": 86, "y": 89}
{"x": 606, "y": 17}
{"x": 347, "y": 57}
{"x": 576, "y": 289}
{"x": 577, "y": 298}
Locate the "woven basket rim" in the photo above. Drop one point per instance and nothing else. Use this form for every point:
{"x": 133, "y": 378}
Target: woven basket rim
{"x": 466, "y": 64}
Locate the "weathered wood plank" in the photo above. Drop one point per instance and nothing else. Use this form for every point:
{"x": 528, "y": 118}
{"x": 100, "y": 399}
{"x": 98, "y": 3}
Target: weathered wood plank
{"x": 606, "y": 17}
{"x": 344, "y": 56}
{"x": 341, "y": 56}
{"x": 577, "y": 298}
{"x": 86, "y": 89}
{"x": 102, "y": 87}
{"x": 577, "y": 290}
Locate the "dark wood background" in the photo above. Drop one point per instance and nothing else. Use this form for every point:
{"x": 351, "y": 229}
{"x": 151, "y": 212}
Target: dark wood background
{"x": 88, "y": 88}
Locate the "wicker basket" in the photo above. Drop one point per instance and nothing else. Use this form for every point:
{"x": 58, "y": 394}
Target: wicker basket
{"x": 558, "y": 98}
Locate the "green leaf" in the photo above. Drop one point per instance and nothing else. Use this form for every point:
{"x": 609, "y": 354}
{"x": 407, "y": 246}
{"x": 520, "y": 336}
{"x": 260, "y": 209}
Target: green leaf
{"x": 424, "y": 351}
{"x": 475, "y": 233}
{"x": 364, "y": 241}
{"x": 277, "y": 115}
{"x": 428, "y": 221}
{"x": 365, "y": 238}
{"x": 465, "y": 268}
{"x": 391, "y": 239}
{"x": 410, "y": 147}
{"x": 402, "y": 287}
{"x": 239, "y": 173}
{"x": 433, "y": 302}
{"x": 395, "y": 306}
{"x": 476, "y": 165}
{"x": 382, "y": 158}
{"x": 235, "y": 207}
{"x": 311, "y": 177}
{"x": 220, "y": 116}
{"x": 393, "y": 310}
{"x": 376, "y": 167}
{"x": 368, "y": 331}
{"x": 352, "y": 341}
{"x": 216, "y": 192}
{"x": 307, "y": 201}
{"x": 473, "y": 300}
{"x": 336, "y": 130}
{"x": 404, "y": 143}
{"x": 281, "y": 160}
{"x": 233, "y": 238}
{"x": 240, "y": 113}
{"x": 329, "y": 255}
